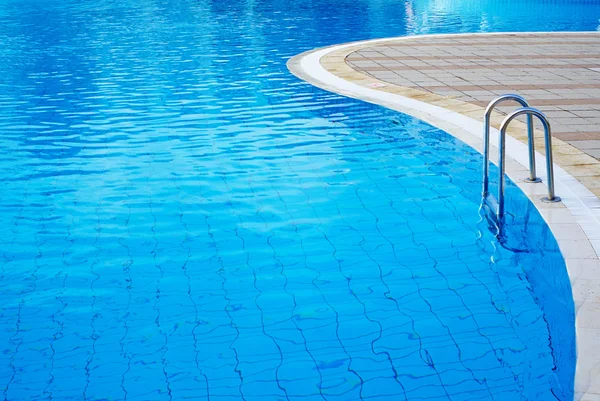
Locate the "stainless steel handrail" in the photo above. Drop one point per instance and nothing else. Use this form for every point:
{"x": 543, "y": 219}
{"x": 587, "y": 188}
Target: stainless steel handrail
{"x": 529, "y": 111}
{"x": 486, "y": 139}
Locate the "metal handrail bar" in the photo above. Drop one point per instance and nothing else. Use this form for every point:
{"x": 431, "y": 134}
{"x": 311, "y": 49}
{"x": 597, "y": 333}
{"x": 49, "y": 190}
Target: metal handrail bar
{"x": 486, "y": 139}
{"x": 529, "y": 111}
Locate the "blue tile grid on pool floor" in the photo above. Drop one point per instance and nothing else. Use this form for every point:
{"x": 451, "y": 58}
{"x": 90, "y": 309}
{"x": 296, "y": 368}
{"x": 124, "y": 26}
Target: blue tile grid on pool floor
{"x": 182, "y": 219}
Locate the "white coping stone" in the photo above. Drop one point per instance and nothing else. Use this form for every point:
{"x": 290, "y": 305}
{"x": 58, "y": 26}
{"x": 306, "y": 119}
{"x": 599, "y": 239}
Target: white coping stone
{"x": 578, "y": 213}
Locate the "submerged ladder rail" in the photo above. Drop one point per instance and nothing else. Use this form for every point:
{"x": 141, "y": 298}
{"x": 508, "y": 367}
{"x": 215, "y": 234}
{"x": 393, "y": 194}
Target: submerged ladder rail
{"x": 530, "y": 112}
{"x": 486, "y": 139}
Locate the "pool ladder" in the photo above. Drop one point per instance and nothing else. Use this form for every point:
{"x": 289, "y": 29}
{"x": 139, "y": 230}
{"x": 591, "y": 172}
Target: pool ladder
{"x": 530, "y": 112}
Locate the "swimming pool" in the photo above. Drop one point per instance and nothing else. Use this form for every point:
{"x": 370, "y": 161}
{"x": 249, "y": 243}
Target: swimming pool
{"x": 184, "y": 219}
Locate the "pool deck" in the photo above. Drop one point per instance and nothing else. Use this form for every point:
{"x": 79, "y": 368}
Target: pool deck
{"x": 559, "y": 76}
{"x": 447, "y": 80}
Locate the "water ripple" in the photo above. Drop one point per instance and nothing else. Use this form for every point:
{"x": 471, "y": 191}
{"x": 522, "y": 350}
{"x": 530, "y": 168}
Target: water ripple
{"x": 183, "y": 219}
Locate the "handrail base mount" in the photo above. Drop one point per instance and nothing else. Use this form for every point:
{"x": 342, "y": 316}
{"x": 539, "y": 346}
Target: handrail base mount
{"x": 556, "y": 199}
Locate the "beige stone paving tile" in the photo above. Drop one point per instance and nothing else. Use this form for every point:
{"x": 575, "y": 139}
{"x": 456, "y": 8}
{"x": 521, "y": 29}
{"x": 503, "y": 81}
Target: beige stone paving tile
{"x": 592, "y": 396}
{"x": 571, "y": 136}
{"x": 585, "y": 113}
{"x": 328, "y": 62}
{"x": 587, "y": 316}
{"x": 592, "y": 182}
{"x": 560, "y": 114}
{"x": 575, "y": 122}
{"x": 446, "y": 102}
{"x": 585, "y": 170}
{"x": 536, "y": 199}
{"x": 583, "y": 269}
{"x": 577, "y": 160}
{"x": 448, "y": 93}
{"x": 586, "y": 295}
{"x": 562, "y": 149}
{"x": 425, "y": 97}
{"x": 569, "y": 231}
{"x": 586, "y": 144}
{"x": 476, "y": 114}
{"x": 540, "y": 191}
{"x": 466, "y": 107}
{"x": 496, "y": 119}
{"x": 519, "y": 134}
{"x": 588, "y": 339}
{"x": 594, "y": 153}
{"x": 557, "y": 215}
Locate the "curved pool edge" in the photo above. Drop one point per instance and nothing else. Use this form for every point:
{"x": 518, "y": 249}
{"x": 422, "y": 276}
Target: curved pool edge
{"x": 575, "y": 222}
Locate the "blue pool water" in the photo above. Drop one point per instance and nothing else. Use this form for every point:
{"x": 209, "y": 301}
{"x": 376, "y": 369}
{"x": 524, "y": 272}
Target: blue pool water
{"x": 182, "y": 219}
